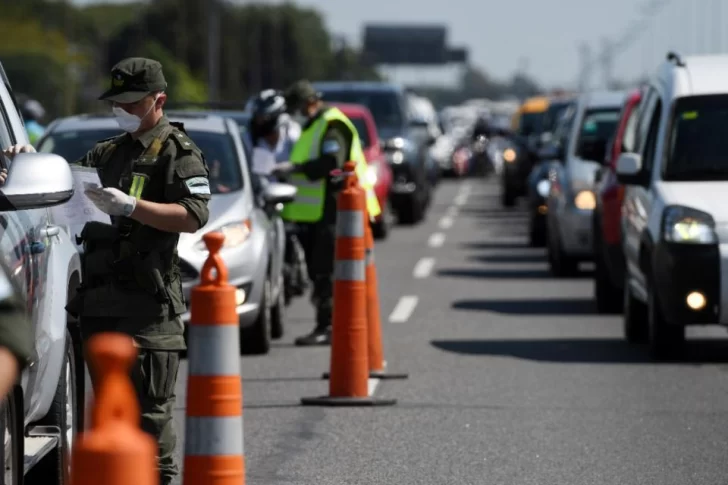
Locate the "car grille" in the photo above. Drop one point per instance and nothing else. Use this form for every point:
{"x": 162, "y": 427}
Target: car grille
{"x": 187, "y": 272}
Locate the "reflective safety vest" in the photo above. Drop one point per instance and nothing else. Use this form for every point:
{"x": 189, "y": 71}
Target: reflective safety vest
{"x": 308, "y": 205}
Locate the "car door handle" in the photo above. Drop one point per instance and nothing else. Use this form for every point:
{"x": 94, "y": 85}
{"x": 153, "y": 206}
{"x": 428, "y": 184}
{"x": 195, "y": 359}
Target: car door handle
{"x": 50, "y": 231}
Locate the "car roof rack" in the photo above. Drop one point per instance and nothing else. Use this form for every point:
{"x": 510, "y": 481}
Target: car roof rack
{"x": 675, "y": 57}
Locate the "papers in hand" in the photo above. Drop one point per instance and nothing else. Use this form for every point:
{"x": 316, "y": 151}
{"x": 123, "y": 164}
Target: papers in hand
{"x": 79, "y": 209}
{"x": 263, "y": 161}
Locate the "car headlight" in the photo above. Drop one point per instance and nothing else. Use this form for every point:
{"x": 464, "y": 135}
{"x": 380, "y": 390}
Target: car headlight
{"x": 372, "y": 171}
{"x": 542, "y": 187}
{"x": 689, "y": 226}
{"x": 585, "y": 200}
{"x": 509, "y": 155}
{"x": 395, "y": 157}
{"x": 235, "y": 235}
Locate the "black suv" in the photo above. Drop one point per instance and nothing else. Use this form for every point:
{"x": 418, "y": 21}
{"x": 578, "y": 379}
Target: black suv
{"x": 405, "y": 151}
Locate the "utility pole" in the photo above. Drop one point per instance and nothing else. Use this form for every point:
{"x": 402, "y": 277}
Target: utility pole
{"x": 213, "y": 50}
{"x": 584, "y": 70}
{"x": 607, "y": 60}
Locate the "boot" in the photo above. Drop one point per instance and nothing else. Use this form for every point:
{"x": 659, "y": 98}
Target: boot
{"x": 319, "y": 337}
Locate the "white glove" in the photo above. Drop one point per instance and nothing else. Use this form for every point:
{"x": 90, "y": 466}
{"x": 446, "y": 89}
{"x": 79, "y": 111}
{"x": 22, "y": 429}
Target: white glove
{"x": 283, "y": 168}
{"x": 111, "y": 201}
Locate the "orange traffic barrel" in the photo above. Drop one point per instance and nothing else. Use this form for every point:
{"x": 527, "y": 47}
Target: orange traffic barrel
{"x": 114, "y": 450}
{"x": 214, "y": 453}
{"x": 349, "y": 364}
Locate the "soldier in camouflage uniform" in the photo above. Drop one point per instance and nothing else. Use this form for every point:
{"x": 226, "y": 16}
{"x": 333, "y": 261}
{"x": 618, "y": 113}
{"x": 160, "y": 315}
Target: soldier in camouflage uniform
{"x": 155, "y": 186}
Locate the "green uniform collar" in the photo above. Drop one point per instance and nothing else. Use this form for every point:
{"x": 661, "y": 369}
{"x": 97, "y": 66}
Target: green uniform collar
{"x": 148, "y": 137}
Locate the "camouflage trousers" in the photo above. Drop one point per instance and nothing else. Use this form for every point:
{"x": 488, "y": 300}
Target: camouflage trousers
{"x": 318, "y": 241}
{"x": 154, "y": 376}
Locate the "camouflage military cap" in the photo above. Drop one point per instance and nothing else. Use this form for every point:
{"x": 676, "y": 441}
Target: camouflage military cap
{"x": 134, "y": 78}
{"x": 299, "y": 93}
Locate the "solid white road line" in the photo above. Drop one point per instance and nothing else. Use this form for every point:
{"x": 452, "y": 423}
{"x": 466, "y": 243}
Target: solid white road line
{"x": 405, "y": 306}
{"x": 445, "y": 222}
{"x": 436, "y": 240}
{"x": 423, "y": 268}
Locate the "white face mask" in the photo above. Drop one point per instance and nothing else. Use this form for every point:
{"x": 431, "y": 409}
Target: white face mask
{"x": 129, "y": 122}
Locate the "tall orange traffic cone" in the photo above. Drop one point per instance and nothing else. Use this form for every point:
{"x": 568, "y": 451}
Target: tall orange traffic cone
{"x": 114, "y": 450}
{"x": 349, "y": 372}
{"x": 377, "y": 364}
{"x": 214, "y": 453}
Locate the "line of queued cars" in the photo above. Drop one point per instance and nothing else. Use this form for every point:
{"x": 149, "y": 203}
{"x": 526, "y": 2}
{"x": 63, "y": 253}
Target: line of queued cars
{"x": 636, "y": 181}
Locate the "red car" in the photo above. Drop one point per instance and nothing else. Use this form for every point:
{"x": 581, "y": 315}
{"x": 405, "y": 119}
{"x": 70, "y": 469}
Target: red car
{"x": 379, "y": 170}
{"x": 608, "y": 255}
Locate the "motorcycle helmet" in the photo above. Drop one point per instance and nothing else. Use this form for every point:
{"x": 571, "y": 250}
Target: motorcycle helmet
{"x": 266, "y": 113}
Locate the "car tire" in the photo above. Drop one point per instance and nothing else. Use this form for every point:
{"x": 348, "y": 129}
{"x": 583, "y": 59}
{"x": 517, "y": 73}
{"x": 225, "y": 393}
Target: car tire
{"x": 508, "y": 197}
{"x": 634, "y": 321}
{"x": 560, "y": 264}
{"x": 278, "y": 313}
{"x": 64, "y": 413}
{"x": 9, "y": 433}
{"x": 666, "y": 341}
{"x": 536, "y": 233}
{"x": 410, "y": 212}
{"x": 609, "y": 298}
{"x": 256, "y": 339}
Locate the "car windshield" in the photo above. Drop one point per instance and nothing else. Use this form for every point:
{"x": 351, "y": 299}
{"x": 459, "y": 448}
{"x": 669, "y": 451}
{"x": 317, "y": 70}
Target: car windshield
{"x": 219, "y": 150}
{"x": 698, "y": 146}
{"x": 531, "y": 123}
{"x": 598, "y": 125}
{"x": 361, "y": 128}
{"x": 384, "y": 105}
{"x": 553, "y": 114}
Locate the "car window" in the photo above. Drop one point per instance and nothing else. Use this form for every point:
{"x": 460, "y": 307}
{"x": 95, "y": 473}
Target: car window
{"x": 648, "y": 148}
{"x": 361, "y": 128}
{"x": 698, "y": 143}
{"x": 384, "y": 105}
{"x": 531, "y": 123}
{"x": 219, "y": 150}
{"x": 598, "y": 124}
{"x": 645, "y": 118}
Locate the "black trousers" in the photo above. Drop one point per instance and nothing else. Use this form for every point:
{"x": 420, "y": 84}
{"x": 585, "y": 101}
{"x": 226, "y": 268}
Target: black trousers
{"x": 319, "y": 242}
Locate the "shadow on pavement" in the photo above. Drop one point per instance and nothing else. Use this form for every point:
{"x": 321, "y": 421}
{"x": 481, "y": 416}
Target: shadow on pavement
{"x": 282, "y": 379}
{"x": 507, "y": 244}
{"x": 605, "y": 351}
{"x": 551, "y": 306}
{"x": 495, "y": 273}
{"x": 510, "y": 258}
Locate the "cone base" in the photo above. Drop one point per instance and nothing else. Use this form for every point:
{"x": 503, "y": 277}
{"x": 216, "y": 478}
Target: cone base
{"x": 376, "y": 374}
{"x": 347, "y": 401}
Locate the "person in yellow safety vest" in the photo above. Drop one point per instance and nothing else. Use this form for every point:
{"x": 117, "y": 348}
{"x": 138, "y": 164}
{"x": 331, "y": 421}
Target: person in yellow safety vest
{"x": 328, "y": 140}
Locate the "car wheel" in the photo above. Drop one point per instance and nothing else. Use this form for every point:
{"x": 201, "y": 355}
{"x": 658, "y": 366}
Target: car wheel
{"x": 56, "y": 466}
{"x": 410, "y": 212}
{"x": 278, "y": 313}
{"x": 9, "y": 436}
{"x": 256, "y": 339}
{"x": 666, "y": 341}
{"x": 560, "y": 263}
{"x": 609, "y": 298}
{"x": 508, "y": 197}
{"x": 635, "y": 317}
{"x": 536, "y": 232}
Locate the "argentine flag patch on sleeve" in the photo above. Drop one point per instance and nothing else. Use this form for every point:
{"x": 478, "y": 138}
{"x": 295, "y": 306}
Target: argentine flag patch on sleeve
{"x": 330, "y": 146}
{"x": 198, "y": 185}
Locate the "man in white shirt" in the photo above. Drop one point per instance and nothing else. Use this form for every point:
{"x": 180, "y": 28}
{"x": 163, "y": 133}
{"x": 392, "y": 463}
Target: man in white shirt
{"x": 272, "y": 133}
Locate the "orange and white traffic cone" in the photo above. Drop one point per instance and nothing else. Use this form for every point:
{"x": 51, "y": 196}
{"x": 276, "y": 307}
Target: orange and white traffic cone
{"x": 114, "y": 450}
{"x": 214, "y": 453}
{"x": 349, "y": 371}
{"x": 377, "y": 364}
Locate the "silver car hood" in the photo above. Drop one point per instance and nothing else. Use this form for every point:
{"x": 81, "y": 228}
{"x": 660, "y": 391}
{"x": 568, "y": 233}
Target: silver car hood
{"x": 224, "y": 209}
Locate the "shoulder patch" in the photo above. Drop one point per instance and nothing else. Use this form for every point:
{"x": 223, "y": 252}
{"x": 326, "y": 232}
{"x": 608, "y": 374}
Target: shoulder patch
{"x": 183, "y": 141}
{"x": 330, "y": 146}
{"x": 198, "y": 185}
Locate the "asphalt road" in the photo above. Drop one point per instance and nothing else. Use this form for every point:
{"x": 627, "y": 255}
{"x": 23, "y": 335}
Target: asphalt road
{"x": 513, "y": 377}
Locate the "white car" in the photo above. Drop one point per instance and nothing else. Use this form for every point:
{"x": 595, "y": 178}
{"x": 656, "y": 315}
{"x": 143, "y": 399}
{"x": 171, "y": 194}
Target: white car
{"x": 44, "y": 410}
{"x": 675, "y": 210}
{"x": 582, "y": 150}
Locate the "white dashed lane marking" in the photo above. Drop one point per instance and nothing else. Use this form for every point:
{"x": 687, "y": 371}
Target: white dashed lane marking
{"x": 423, "y": 268}
{"x": 405, "y": 306}
{"x": 436, "y": 240}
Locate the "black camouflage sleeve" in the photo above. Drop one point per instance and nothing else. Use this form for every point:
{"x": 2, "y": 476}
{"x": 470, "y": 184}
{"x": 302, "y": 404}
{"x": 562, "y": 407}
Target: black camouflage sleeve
{"x": 188, "y": 181}
{"x": 335, "y": 149}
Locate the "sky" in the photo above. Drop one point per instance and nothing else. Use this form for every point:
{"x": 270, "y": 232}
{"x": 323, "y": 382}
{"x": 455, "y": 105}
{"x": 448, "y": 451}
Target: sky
{"x": 540, "y": 37}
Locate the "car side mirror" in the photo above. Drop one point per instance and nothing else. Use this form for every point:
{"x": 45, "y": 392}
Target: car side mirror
{"x": 279, "y": 193}
{"x": 36, "y": 180}
{"x": 629, "y": 169}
